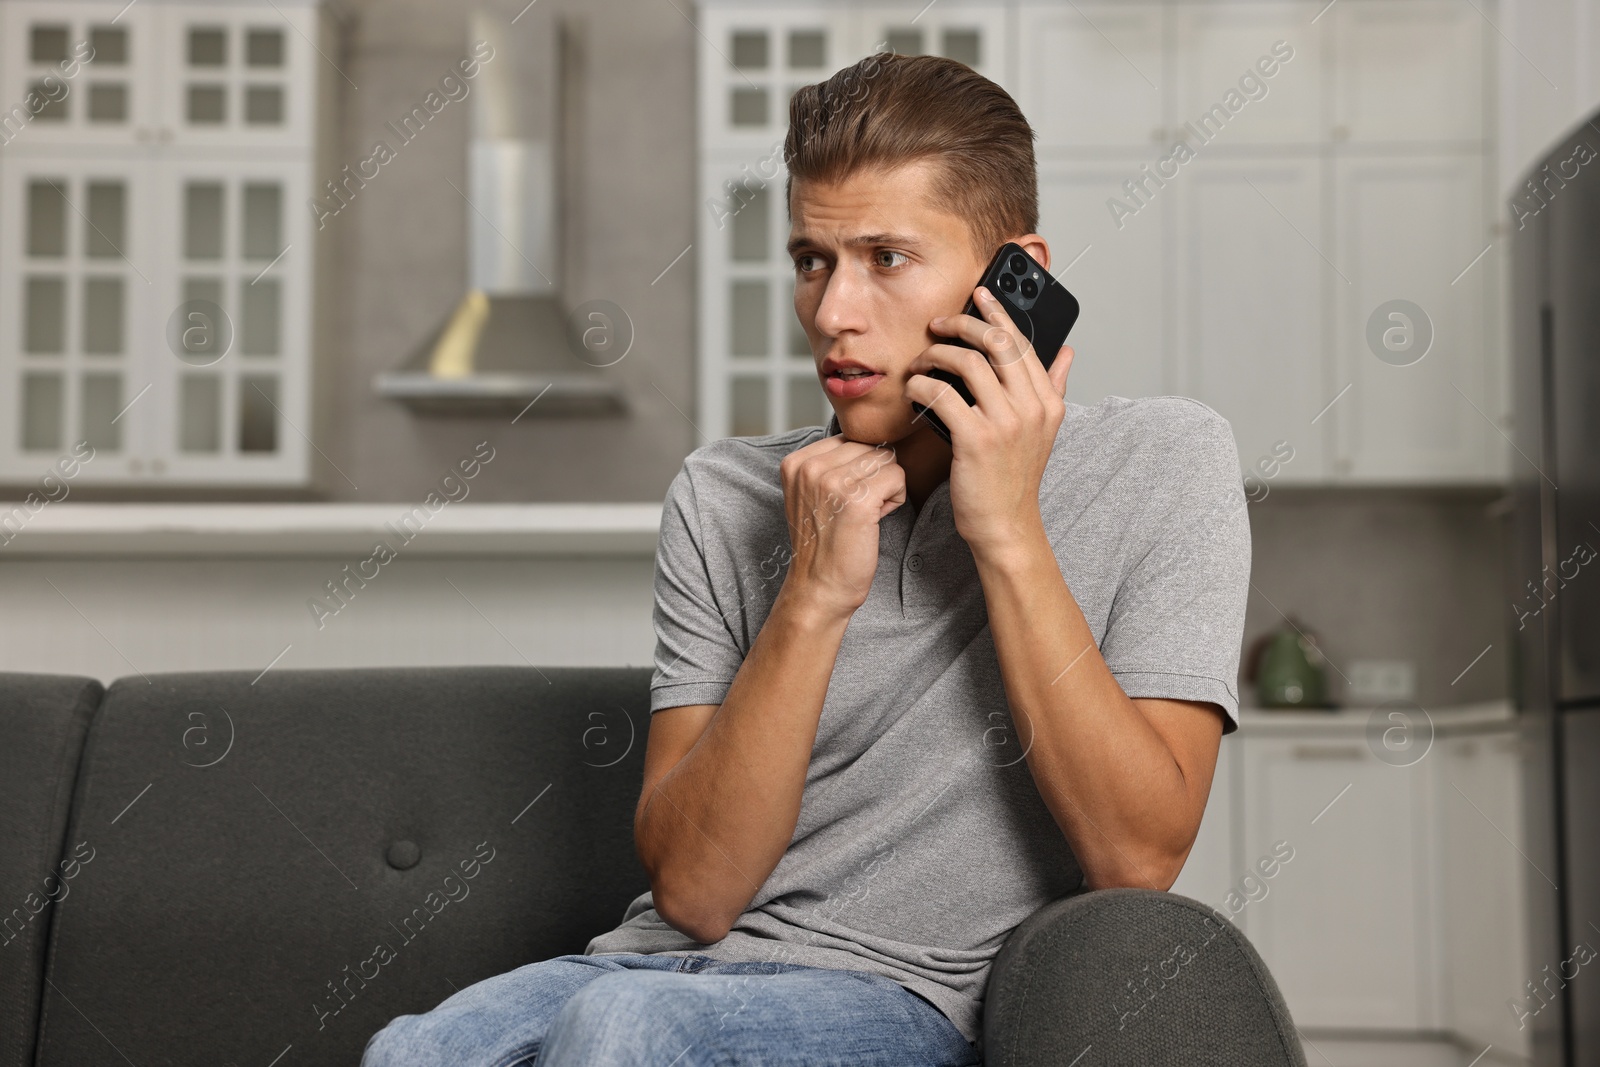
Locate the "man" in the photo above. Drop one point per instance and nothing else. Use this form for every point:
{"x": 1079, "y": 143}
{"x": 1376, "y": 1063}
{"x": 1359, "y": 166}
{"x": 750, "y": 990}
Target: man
{"x": 906, "y": 691}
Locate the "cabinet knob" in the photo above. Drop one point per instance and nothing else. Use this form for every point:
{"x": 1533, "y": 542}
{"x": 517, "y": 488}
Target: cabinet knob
{"x": 158, "y": 466}
{"x": 142, "y": 135}
{"x": 135, "y": 465}
{"x": 166, "y": 134}
{"x": 1341, "y": 132}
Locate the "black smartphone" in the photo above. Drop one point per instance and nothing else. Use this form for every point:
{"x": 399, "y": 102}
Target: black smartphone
{"x": 1039, "y": 305}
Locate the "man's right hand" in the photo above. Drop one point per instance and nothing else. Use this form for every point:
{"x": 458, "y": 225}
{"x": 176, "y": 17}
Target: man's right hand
{"x": 835, "y": 492}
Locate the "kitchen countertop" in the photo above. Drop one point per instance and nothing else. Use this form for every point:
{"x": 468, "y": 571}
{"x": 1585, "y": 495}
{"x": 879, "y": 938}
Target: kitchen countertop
{"x": 1484, "y": 717}
{"x": 272, "y": 530}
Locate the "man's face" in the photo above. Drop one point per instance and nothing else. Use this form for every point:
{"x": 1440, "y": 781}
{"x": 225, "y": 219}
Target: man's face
{"x": 875, "y": 261}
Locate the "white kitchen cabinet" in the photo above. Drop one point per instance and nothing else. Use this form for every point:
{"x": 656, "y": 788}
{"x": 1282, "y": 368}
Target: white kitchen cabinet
{"x": 1408, "y": 73}
{"x": 1119, "y": 277}
{"x": 109, "y": 100}
{"x": 78, "y": 298}
{"x": 1090, "y": 76}
{"x": 231, "y": 75}
{"x": 111, "y": 231}
{"x": 1406, "y": 229}
{"x": 1246, "y": 276}
{"x": 976, "y": 34}
{"x": 1340, "y": 927}
{"x": 1213, "y": 863}
{"x": 1482, "y": 904}
{"x": 1251, "y": 329}
{"x": 1217, "y": 45}
{"x": 1402, "y": 908}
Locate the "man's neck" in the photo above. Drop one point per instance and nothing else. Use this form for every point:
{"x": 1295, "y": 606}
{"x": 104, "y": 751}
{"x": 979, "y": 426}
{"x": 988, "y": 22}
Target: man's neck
{"x": 926, "y": 459}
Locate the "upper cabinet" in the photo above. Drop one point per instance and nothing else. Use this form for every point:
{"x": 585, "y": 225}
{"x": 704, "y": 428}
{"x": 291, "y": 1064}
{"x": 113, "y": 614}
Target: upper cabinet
{"x": 1244, "y": 195}
{"x": 1090, "y": 76}
{"x": 1259, "y": 62}
{"x": 156, "y": 253}
{"x": 233, "y": 75}
{"x": 1409, "y": 73}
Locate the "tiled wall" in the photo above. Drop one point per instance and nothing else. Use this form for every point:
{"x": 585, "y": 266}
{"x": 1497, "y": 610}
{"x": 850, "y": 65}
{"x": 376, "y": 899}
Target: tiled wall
{"x": 1389, "y": 574}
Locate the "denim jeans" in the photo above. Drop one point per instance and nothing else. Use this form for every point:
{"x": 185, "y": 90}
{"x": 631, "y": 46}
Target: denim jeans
{"x": 627, "y": 1008}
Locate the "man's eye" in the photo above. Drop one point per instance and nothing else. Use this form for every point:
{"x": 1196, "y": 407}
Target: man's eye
{"x": 804, "y": 263}
{"x": 887, "y": 252}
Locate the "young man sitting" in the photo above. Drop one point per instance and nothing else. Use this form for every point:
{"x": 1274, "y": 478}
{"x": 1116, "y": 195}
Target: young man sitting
{"x": 907, "y": 691}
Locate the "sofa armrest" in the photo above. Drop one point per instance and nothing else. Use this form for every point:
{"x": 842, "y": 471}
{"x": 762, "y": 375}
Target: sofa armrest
{"x": 1133, "y": 976}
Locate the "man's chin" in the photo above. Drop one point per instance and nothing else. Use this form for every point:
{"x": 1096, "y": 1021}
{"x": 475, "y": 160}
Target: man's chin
{"x": 881, "y": 425}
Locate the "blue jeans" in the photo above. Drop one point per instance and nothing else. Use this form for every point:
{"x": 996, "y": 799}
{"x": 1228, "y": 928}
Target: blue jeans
{"x": 627, "y": 1008}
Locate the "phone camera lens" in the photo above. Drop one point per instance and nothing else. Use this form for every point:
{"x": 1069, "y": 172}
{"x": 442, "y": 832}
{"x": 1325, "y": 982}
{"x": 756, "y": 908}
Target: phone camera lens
{"x": 1030, "y": 288}
{"x": 1009, "y": 283}
{"x": 1018, "y": 264}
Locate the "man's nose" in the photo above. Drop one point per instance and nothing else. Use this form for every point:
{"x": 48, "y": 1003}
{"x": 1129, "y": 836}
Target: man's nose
{"x": 843, "y": 305}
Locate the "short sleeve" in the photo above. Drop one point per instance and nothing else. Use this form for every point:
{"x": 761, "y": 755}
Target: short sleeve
{"x": 696, "y": 656}
{"x": 1177, "y": 619}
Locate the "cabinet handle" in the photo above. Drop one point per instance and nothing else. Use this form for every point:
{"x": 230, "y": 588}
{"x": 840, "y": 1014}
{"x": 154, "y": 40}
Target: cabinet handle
{"x": 1326, "y": 752}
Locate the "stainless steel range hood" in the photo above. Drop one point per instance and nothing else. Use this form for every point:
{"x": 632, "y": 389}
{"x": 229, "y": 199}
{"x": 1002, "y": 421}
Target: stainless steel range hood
{"x": 511, "y": 340}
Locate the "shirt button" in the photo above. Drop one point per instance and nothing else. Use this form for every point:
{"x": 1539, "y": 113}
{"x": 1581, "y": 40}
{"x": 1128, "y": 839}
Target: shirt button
{"x": 914, "y": 562}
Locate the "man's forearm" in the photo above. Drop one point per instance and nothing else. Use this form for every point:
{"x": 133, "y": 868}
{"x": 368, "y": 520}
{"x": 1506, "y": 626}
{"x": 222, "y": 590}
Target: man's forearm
{"x": 719, "y": 822}
{"x": 1104, "y": 772}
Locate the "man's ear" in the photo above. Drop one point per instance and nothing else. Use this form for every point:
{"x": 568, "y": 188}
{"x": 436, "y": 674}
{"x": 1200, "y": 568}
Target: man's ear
{"x": 1035, "y": 246}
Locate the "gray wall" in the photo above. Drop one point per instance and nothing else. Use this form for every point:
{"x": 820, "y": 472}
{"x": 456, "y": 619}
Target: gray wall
{"x": 1388, "y": 575}
{"x": 404, "y": 238}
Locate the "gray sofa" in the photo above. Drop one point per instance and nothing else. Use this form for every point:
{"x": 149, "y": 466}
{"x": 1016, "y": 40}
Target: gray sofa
{"x": 202, "y": 867}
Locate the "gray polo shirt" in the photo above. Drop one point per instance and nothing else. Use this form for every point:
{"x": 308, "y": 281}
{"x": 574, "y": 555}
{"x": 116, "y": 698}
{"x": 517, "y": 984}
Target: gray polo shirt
{"x": 922, "y": 839}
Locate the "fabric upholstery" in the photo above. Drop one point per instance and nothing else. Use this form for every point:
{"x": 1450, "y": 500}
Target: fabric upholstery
{"x": 232, "y": 910}
{"x": 1133, "y": 976}
{"x": 43, "y": 721}
{"x": 268, "y": 869}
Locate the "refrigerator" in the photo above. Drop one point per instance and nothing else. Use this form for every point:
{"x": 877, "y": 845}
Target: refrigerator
{"x": 1555, "y": 583}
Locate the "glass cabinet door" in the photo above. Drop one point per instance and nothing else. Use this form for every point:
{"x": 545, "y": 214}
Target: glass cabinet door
{"x": 74, "y": 309}
{"x": 53, "y": 96}
{"x": 230, "y": 361}
{"x": 239, "y": 75}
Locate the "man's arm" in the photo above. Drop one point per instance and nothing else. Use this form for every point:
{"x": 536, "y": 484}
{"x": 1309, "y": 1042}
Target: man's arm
{"x": 1126, "y": 779}
{"x": 722, "y": 784}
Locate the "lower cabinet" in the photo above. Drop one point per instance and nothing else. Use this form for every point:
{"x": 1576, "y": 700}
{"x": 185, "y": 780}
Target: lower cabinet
{"x": 1373, "y": 860}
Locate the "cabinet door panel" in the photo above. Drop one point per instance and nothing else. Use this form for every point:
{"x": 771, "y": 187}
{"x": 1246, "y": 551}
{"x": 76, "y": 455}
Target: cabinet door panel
{"x": 751, "y": 63}
{"x": 232, "y": 355}
{"x": 76, "y": 306}
{"x": 55, "y": 101}
{"x": 1251, "y": 335}
{"x": 245, "y": 76}
{"x": 1218, "y": 46}
{"x": 973, "y": 33}
{"x": 1407, "y": 230}
{"x": 1090, "y": 75}
{"x": 1212, "y": 865}
{"x": 1119, "y": 279}
{"x": 1338, "y": 926}
{"x": 1482, "y": 914}
{"x": 1409, "y": 72}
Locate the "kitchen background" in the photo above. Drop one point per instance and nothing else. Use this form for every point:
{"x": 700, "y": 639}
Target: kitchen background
{"x": 603, "y": 176}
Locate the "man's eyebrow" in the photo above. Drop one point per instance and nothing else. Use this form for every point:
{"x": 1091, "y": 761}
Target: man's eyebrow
{"x": 800, "y": 241}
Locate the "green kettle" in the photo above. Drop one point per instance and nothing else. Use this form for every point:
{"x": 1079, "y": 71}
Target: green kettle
{"x": 1290, "y": 673}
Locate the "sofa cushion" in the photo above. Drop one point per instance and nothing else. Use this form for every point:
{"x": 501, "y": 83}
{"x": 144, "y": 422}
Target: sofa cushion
{"x": 290, "y": 861}
{"x": 43, "y": 720}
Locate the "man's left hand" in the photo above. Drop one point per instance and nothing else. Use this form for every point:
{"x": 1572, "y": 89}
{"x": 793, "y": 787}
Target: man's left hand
{"x": 1001, "y": 444}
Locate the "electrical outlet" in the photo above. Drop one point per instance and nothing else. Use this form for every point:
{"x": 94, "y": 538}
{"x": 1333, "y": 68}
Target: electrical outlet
{"x": 1375, "y": 680}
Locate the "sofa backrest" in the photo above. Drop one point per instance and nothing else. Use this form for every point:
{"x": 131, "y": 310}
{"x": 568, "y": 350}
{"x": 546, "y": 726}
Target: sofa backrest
{"x": 291, "y": 860}
{"x": 43, "y": 721}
